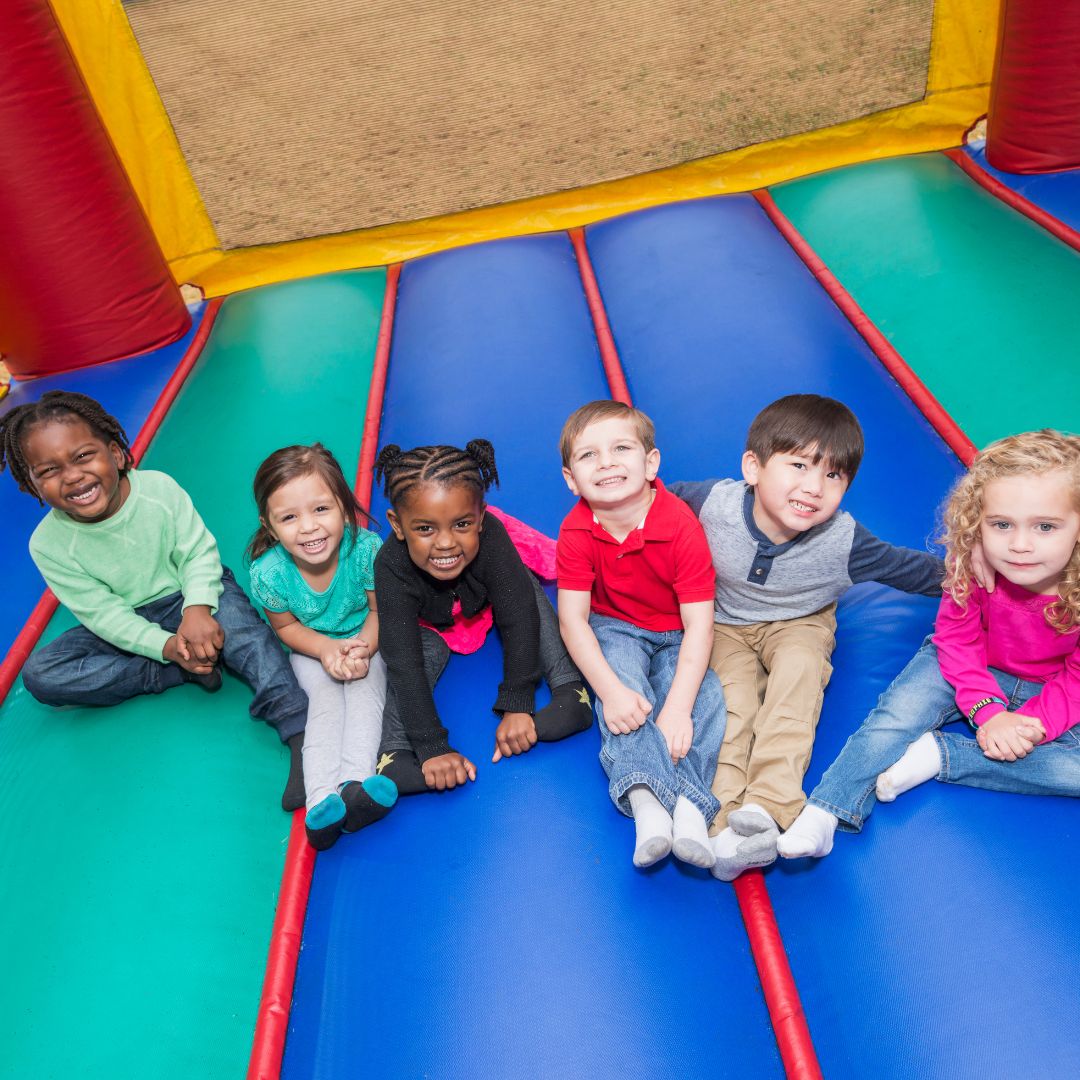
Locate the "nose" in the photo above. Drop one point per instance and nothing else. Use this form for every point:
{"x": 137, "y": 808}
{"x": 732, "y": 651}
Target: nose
{"x": 812, "y": 480}
{"x": 1020, "y": 540}
{"x": 444, "y": 539}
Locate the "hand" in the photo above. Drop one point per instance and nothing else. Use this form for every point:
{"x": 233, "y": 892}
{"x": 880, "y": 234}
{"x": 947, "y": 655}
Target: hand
{"x": 448, "y": 770}
{"x": 337, "y": 663}
{"x": 516, "y": 734}
{"x": 981, "y": 570}
{"x": 176, "y": 652}
{"x": 356, "y": 658}
{"x": 200, "y": 634}
{"x": 678, "y": 730}
{"x": 1009, "y": 736}
{"x": 625, "y": 710}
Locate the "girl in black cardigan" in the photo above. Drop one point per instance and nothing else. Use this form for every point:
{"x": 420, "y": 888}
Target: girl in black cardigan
{"x": 449, "y": 572}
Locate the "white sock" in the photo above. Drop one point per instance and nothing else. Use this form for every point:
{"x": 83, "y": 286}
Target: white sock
{"x": 751, "y": 819}
{"x": 735, "y": 853}
{"x": 653, "y": 826}
{"x": 921, "y": 762}
{"x": 691, "y": 835}
{"x": 810, "y": 834}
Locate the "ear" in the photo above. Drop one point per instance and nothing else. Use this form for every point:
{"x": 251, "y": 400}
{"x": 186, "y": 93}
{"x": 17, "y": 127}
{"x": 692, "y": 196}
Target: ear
{"x": 652, "y": 464}
{"x": 117, "y": 455}
{"x": 480, "y": 519}
{"x": 395, "y": 524}
{"x": 568, "y": 476}
{"x": 750, "y": 467}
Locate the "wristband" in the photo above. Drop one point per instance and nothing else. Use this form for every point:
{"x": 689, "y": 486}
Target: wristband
{"x": 981, "y": 705}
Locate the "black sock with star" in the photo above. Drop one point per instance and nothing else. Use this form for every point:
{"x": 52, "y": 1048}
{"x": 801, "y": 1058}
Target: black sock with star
{"x": 568, "y": 712}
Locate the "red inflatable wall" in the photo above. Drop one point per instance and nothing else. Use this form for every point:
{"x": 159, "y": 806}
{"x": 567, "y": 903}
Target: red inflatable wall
{"x": 82, "y": 279}
{"x": 1034, "y": 123}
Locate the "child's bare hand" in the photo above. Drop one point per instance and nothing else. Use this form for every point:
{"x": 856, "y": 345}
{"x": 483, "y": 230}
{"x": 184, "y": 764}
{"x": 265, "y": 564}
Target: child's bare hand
{"x": 625, "y": 710}
{"x": 176, "y": 652}
{"x": 448, "y": 771}
{"x": 516, "y": 734}
{"x": 200, "y": 632}
{"x": 981, "y": 570}
{"x": 678, "y": 730}
{"x": 1005, "y": 737}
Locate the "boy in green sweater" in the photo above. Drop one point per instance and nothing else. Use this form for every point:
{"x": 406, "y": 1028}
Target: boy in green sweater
{"x": 127, "y": 553}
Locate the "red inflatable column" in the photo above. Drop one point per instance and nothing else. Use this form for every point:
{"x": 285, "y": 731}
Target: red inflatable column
{"x": 82, "y": 279}
{"x": 1034, "y": 123}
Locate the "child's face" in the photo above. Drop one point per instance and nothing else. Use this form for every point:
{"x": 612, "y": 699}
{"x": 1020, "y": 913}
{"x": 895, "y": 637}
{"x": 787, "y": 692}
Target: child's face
{"x": 74, "y": 470}
{"x": 1029, "y": 529}
{"x": 308, "y": 522}
{"x": 791, "y": 493}
{"x": 609, "y": 466}
{"x": 441, "y": 528}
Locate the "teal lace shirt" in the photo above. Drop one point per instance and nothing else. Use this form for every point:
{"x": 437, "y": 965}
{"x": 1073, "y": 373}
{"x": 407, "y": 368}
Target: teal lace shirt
{"x": 341, "y": 609}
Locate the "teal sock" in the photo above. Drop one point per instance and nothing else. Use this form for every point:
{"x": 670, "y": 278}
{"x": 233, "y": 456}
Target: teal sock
{"x": 367, "y": 802}
{"x": 328, "y": 812}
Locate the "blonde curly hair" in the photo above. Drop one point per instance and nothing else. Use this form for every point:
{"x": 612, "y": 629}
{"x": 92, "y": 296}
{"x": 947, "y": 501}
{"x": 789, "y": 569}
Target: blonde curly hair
{"x": 1034, "y": 452}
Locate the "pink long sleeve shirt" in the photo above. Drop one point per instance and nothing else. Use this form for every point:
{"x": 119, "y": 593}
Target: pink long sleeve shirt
{"x": 1006, "y": 629}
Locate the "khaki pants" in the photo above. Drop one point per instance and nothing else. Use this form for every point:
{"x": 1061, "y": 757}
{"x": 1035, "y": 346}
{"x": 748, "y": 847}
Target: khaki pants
{"x": 774, "y": 676}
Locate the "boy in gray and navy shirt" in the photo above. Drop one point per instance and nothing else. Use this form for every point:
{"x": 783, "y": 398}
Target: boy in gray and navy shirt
{"x": 784, "y": 553}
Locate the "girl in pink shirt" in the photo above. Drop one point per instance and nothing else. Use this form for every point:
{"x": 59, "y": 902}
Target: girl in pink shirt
{"x": 1006, "y": 661}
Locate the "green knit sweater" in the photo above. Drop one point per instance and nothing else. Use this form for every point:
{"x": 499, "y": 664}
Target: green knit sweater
{"x": 154, "y": 545}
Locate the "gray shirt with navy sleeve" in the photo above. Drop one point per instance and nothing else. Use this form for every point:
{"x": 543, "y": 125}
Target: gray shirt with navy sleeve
{"x": 759, "y": 581}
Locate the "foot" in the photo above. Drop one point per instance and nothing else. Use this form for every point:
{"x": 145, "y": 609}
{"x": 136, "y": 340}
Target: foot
{"x": 652, "y": 825}
{"x": 735, "y": 854}
{"x": 323, "y": 822}
{"x": 568, "y": 712}
{"x": 210, "y": 682}
{"x": 690, "y": 835}
{"x": 810, "y": 834}
{"x": 921, "y": 762}
{"x": 751, "y": 819}
{"x": 293, "y": 797}
{"x": 367, "y": 802}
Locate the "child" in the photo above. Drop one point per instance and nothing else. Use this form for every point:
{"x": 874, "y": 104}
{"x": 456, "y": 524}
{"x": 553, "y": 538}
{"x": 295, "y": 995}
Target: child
{"x": 125, "y": 551}
{"x": 784, "y": 553}
{"x": 1005, "y": 661}
{"x": 313, "y": 572}
{"x": 635, "y": 607}
{"x": 450, "y": 571}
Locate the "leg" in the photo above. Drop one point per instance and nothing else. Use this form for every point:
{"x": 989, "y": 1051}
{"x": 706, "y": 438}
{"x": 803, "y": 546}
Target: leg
{"x": 396, "y": 760}
{"x": 365, "y": 702}
{"x": 325, "y": 729}
{"x": 570, "y": 709}
{"x": 740, "y": 672}
{"x": 795, "y": 653}
{"x": 1050, "y": 769}
{"x": 79, "y": 668}
{"x": 919, "y": 700}
{"x": 254, "y": 653}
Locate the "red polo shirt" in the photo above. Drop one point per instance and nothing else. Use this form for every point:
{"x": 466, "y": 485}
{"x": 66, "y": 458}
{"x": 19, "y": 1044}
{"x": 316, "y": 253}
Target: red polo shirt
{"x": 644, "y": 579}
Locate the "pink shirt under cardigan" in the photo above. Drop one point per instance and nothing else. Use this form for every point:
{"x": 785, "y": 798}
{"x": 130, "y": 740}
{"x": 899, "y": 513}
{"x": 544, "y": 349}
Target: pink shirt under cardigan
{"x": 1006, "y": 629}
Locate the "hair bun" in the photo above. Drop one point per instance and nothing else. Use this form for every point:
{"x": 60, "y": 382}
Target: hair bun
{"x": 483, "y": 453}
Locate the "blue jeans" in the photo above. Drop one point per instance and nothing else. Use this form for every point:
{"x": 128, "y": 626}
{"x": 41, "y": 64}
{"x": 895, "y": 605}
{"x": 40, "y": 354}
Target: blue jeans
{"x": 79, "y": 668}
{"x": 918, "y": 701}
{"x": 644, "y": 661}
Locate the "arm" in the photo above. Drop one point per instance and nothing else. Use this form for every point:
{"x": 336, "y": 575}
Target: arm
{"x": 624, "y": 709}
{"x": 675, "y": 721}
{"x": 1056, "y": 707}
{"x": 905, "y": 569}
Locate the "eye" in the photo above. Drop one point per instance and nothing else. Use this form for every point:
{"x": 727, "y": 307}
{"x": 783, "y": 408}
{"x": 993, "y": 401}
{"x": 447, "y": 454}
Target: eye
{"x": 1000, "y": 526}
{"x": 586, "y": 454}
{"x": 834, "y": 475}
{"x": 423, "y": 530}
{"x": 621, "y": 447}
{"x": 321, "y": 509}
{"x": 464, "y": 523}
{"x": 84, "y": 454}
{"x": 1046, "y": 527}
{"x": 798, "y": 465}
{"x": 286, "y": 518}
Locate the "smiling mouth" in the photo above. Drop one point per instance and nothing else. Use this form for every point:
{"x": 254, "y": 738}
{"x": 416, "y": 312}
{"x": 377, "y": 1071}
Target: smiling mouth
{"x": 313, "y": 547}
{"x": 609, "y": 480}
{"x": 444, "y": 562}
{"x": 86, "y": 496}
{"x": 801, "y": 507}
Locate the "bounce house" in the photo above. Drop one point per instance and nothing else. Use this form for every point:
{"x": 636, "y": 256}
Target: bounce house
{"x": 242, "y": 226}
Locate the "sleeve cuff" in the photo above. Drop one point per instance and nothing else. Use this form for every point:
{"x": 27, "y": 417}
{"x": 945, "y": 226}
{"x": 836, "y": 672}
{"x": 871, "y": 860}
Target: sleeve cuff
{"x": 434, "y": 747}
{"x": 987, "y": 712}
{"x": 515, "y": 701}
{"x": 152, "y": 644}
{"x": 198, "y": 597}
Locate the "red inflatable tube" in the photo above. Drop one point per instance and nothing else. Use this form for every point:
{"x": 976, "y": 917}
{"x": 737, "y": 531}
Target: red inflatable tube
{"x": 82, "y": 279}
{"x": 1034, "y": 123}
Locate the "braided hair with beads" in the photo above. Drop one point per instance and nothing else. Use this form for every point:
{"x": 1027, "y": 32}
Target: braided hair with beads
{"x": 401, "y": 471}
{"x": 61, "y": 405}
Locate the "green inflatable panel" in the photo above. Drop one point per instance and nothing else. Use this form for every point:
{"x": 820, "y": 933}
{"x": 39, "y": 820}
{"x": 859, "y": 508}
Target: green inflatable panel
{"x": 142, "y": 845}
{"x": 980, "y": 301}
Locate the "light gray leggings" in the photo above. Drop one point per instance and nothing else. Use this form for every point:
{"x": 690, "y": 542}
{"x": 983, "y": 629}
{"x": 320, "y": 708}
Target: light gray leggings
{"x": 344, "y": 725}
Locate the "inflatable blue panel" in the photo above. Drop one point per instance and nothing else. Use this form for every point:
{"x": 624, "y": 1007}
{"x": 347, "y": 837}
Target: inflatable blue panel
{"x": 500, "y": 931}
{"x": 911, "y": 944}
{"x": 128, "y": 389}
{"x": 1057, "y": 193}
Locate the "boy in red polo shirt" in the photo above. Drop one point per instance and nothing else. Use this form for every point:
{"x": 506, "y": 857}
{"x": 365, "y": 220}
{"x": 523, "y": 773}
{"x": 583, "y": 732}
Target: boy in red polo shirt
{"x": 636, "y": 590}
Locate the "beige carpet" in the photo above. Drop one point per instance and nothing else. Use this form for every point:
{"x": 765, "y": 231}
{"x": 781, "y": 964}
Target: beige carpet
{"x": 307, "y": 118}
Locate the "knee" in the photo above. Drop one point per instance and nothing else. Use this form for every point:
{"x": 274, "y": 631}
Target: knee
{"x": 38, "y": 681}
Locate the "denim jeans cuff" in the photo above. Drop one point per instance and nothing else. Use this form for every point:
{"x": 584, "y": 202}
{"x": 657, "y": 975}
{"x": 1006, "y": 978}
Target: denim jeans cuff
{"x": 289, "y": 726}
{"x": 848, "y": 822}
{"x": 619, "y": 788}
{"x": 943, "y": 751}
